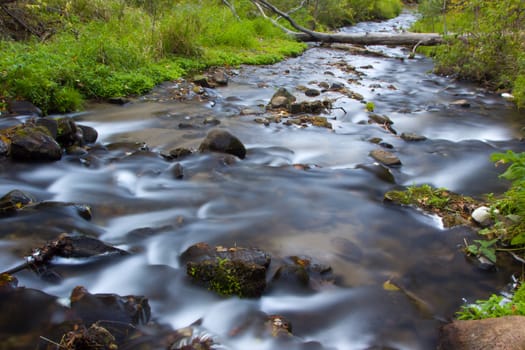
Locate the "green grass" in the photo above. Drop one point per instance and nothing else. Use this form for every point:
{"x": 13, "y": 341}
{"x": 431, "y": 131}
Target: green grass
{"x": 104, "y": 49}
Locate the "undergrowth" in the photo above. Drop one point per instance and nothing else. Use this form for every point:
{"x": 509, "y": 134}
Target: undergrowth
{"x": 99, "y": 49}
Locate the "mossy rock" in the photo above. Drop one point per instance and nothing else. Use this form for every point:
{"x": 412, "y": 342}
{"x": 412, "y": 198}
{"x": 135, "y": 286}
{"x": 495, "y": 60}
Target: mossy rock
{"x": 454, "y": 209}
{"x": 228, "y": 271}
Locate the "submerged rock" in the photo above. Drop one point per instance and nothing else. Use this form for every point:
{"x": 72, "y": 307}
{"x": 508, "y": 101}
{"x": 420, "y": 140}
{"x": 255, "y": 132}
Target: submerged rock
{"x": 11, "y": 202}
{"x": 302, "y": 273}
{"x": 228, "y": 271}
{"x": 222, "y": 141}
{"x": 502, "y": 333}
{"x": 411, "y": 137}
{"x": 91, "y": 308}
{"x": 387, "y": 158}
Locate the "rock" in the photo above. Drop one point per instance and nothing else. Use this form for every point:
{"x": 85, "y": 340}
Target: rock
{"x": 14, "y": 200}
{"x": 502, "y": 333}
{"x": 50, "y": 124}
{"x": 109, "y": 307}
{"x": 302, "y": 273}
{"x": 118, "y": 101}
{"x": 379, "y": 170}
{"x": 30, "y": 143}
{"x": 90, "y": 135}
{"x": 23, "y": 108}
{"x": 201, "y": 80}
{"x": 460, "y": 103}
{"x": 68, "y": 133}
{"x": 211, "y": 121}
{"x": 312, "y": 107}
{"x": 228, "y": 271}
{"x": 312, "y": 92}
{"x": 222, "y": 141}
{"x": 177, "y": 171}
{"x": 385, "y": 157}
{"x": 482, "y": 215}
{"x": 177, "y": 153}
{"x": 379, "y": 119}
{"x": 282, "y": 99}
{"x": 411, "y": 137}
{"x": 220, "y": 77}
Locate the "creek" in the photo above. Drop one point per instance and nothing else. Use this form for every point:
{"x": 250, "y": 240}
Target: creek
{"x": 330, "y": 208}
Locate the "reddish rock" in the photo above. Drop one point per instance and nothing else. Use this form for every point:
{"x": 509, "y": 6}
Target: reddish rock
{"x": 502, "y": 333}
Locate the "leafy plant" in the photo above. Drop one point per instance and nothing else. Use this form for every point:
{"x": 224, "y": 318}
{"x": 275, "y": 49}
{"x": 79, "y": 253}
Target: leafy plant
{"x": 495, "y": 306}
{"x": 483, "y": 248}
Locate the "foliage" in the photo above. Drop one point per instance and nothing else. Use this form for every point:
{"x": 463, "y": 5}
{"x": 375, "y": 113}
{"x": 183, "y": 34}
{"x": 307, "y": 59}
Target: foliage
{"x": 495, "y": 306}
{"x": 454, "y": 209}
{"x": 488, "y": 43}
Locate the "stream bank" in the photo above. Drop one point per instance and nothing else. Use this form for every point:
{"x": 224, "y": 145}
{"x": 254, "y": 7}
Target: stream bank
{"x": 300, "y": 190}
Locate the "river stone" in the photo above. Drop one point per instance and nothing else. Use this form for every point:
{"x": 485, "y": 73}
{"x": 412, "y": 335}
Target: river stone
{"x": 50, "y": 124}
{"x": 34, "y": 143}
{"x": 91, "y": 308}
{"x": 461, "y": 103}
{"x": 502, "y": 333}
{"x": 302, "y": 273}
{"x": 14, "y": 200}
{"x": 220, "y": 77}
{"x": 68, "y": 133}
{"x": 380, "y": 119}
{"x": 312, "y": 92}
{"x": 385, "y": 157}
{"x": 282, "y": 99}
{"x": 227, "y": 271}
{"x": 89, "y": 134}
{"x": 222, "y": 141}
{"x": 482, "y": 216}
{"x": 412, "y": 137}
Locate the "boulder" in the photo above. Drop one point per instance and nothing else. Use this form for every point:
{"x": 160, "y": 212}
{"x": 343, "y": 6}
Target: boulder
{"x": 222, "y": 141}
{"x": 29, "y": 142}
{"x": 502, "y": 333}
{"x": 91, "y": 308}
{"x": 282, "y": 99}
{"x": 385, "y": 157}
{"x": 69, "y": 133}
{"x": 228, "y": 271}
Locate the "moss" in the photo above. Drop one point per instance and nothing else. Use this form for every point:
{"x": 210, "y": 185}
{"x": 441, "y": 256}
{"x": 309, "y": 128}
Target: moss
{"x": 229, "y": 277}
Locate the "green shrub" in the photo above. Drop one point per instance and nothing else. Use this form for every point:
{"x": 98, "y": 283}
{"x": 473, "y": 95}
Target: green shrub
{"x": 495, "y": 306}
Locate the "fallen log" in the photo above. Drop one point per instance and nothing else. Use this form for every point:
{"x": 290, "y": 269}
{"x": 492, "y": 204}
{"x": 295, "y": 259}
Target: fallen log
{"x": 304, "y": 34}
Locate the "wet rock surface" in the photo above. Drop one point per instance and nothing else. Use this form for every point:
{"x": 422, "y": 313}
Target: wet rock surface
{"x": 228, "y": 271}
{"x": 505, "y": 333}
{"x": 222, "y": 141}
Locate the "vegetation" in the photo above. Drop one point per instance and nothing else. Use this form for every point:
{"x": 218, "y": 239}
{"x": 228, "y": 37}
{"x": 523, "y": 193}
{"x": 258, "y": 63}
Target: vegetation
{"x": 487, "y": 41}
{"x": 57, "y": 53}
{"x": 454, "y": 209}
{"x": 495, "y": 306}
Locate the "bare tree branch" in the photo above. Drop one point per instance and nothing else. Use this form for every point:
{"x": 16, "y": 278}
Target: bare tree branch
{"x": 232, "y": 9}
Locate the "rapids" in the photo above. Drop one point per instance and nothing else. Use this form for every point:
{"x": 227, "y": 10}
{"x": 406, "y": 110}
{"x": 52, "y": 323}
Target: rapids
{"x": 333, "y": 211}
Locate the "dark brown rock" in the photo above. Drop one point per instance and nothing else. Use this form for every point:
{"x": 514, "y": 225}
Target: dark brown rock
{"x": 33, "y": 143}
{"x": 89, "y": 134}
{"x": 222, "y": 141}
{"x": 68, "y": 133}
{"x": 385, "y": 157}
{"x": 228, "y": 271}
{"x": 502, "y": 333}
{"x": 411, "y": 137}
{"x": 302, "y": 273}
{"x": 15, "y": 107}
{"x": 91, "y": 308}
{"x": 11, "y": 202}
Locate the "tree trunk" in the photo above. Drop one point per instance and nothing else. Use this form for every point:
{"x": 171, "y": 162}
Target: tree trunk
{"x": 305, "y": 34}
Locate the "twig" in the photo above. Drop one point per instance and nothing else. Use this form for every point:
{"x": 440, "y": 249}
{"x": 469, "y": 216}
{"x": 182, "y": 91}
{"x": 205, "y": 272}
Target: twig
{"x": 232, "y": 9}
{"x": 53, "y": 342}
{"x": 515, "y": 256}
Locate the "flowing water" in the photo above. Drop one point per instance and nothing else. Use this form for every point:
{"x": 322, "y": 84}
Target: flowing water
{"x": 331, "y": 210}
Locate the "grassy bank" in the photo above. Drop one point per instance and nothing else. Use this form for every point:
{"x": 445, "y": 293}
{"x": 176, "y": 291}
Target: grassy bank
{"x": 493, "y": 52}
{"x": 76, "y": 50}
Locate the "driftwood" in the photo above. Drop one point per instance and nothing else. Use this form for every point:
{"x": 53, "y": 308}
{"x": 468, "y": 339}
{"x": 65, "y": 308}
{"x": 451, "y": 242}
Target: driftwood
{"x": 304, "y": 34}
